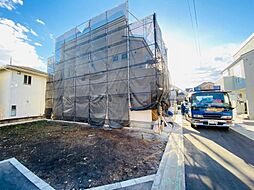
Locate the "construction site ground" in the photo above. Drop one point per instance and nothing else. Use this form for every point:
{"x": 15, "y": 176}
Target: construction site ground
{"x": 72, "y": 156}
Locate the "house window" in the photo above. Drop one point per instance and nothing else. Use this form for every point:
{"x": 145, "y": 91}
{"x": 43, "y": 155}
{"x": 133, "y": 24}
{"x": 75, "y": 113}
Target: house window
{"x": 13, "y": 110}
{"x": 27, "y": 79}
{"x": 115, "y": 58}
{"x": 124, "y": 55}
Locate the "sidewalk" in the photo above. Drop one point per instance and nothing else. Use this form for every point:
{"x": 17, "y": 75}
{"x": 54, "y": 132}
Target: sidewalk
{"x": 171, "y": 172}
{"x": 245, "y": 128}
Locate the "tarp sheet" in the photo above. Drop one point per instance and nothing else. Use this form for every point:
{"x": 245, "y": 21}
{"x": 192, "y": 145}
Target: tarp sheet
{"x": 106, "y": 67}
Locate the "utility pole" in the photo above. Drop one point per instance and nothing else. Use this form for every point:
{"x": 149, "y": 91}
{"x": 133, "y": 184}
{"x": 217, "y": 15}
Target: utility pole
{"x": 11, "y": 60}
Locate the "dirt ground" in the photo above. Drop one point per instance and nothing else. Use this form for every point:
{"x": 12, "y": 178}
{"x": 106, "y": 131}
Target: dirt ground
{"x": 71, "y": 156}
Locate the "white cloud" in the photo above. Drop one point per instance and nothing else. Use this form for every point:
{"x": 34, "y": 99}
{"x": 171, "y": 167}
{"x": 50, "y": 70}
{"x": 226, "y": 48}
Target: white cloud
{"x": 37, "y": 44}
{"x": 40, "y": 21}
{"x": 187, "y": 68}
{"x": 14, "y": 44}
{"x": 33, "y": 32}
{"x": 10, "y": 4}
{"x": 23, "y": 27}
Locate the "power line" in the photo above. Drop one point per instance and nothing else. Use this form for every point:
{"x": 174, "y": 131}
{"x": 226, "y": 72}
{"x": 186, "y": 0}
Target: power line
{"x": 192, "y": 25}
{"x": 195, "y": 12}
{"x": 196, "y": 19}
{"x": 194, "y": 28}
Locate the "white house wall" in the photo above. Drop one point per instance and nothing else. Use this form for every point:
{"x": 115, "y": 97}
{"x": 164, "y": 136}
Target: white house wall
{"x": 248, "y": 46}
{"x": 5, "y": 78}
{"x": 29, "y": 99}
{"x": 227, "y": 83}
{"x": 249, "y": 70}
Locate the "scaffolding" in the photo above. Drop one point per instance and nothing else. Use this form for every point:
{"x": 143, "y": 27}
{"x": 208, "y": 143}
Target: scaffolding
{"x": 106, "y": 67}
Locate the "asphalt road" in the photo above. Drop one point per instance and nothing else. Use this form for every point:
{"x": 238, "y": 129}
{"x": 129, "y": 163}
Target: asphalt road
{"x": 217, "y": 159}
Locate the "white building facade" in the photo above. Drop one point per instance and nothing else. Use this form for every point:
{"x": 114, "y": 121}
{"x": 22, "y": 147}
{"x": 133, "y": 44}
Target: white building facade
{"x": 22, "y": 92}
{"x": 239, "y": 79}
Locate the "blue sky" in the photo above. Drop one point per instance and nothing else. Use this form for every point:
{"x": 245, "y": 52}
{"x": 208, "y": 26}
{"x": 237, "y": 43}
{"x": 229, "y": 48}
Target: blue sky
{"x": 222, "y": 27}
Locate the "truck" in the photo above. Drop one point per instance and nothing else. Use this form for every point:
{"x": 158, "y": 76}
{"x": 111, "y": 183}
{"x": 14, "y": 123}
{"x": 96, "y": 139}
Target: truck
{"x": 210, "y": 107}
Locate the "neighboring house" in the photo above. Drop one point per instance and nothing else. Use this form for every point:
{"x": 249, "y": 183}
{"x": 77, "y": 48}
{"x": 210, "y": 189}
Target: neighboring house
{"x": 22, "y": 92}
{"x": 238, "y": 78}
{"x": 206, "y": 85}
{"x": 177, "y": 96}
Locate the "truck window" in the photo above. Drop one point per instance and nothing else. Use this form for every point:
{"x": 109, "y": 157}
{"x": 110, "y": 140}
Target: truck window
{"x": 210, "y": 99}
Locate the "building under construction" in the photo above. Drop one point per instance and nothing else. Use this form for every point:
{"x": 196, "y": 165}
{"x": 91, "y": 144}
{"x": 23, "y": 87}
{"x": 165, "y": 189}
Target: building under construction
{"x": 108, "y": 71}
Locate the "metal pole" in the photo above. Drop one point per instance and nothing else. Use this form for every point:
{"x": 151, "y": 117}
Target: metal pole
{"x": 107, "y": 95}
{"x": 128, "y": 56}
{"x": 89, "y": 82}
{"x": 62, "y": 81}
{"x": 155, "y": 53}
{"x": 75, "y": 79}
{"x": 156, "y": 75}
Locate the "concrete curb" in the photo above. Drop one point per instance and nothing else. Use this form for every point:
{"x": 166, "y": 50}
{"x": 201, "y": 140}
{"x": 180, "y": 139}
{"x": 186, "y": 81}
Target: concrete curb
{"x": 21, "y": 122}
{"x": 69, "y": 122}
{"x": 124, "y": 184}
{"x": 48, "y": 120}
{"x": 171, "y": 172}
{"x": 34, "y": 179}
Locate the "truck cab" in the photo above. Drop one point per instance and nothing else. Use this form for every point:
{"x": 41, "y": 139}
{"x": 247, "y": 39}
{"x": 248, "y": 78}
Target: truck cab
{"x": 210, "y": 107}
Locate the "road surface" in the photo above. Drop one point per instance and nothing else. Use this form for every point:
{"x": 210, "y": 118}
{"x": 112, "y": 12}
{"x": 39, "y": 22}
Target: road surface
{"x": 217, "y": 159}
